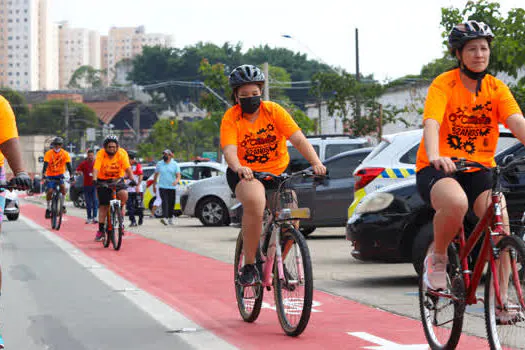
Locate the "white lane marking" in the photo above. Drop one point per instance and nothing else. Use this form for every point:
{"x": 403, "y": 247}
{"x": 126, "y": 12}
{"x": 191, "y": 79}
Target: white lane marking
{"x": 154, "y": 307}
{"x": 384, "y": 344}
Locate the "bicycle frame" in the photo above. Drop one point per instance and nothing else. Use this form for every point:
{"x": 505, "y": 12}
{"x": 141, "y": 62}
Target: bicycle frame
{"x": 112, "y": 203}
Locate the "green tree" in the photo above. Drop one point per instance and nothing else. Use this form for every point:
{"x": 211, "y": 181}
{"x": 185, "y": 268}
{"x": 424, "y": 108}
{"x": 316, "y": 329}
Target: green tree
{"x": 508, "y": 51}
{"x": 438, "y": 66}
{"x": 343, "y": 94}
{"x": 20, "y": 108}
{"x": 86, "y": 77}
{"x": 49, "y": 118}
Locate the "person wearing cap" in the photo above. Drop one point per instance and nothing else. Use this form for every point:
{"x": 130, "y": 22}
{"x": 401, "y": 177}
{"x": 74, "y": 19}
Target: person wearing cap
{"x": 167, "y": 174}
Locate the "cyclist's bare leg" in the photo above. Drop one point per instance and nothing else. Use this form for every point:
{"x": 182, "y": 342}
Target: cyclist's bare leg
{"x": 451, "y": 204}
{"x": 252, "y": 196}
{"x": 503, "y": 264}
{"x": 63, "y": 189}
{"x": 122, "y": 195}
{"x": 102, "y": 213}
{"x": 49, "y": 192}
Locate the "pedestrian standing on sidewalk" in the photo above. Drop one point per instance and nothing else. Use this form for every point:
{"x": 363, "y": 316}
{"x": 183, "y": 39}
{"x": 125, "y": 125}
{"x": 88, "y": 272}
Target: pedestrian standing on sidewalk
{"x": 135, "y": 192}
{"x": 90, "y": 194}
{"x": 168, "y": 175}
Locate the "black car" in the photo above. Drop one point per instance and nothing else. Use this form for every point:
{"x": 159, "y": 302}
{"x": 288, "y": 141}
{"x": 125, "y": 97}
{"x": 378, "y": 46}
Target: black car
{"x": 331, "y": 198}
{"x": 396, "y": 226}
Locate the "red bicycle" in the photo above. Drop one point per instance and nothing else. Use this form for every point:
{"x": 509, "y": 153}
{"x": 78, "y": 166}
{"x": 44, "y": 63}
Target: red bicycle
{"x": 442, "y": 312}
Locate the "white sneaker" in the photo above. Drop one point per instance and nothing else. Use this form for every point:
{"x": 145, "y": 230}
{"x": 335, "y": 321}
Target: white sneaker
{"x": 435, "y": 273}
{"x": 164, "y": 221}
{"x": 170, "y": 222}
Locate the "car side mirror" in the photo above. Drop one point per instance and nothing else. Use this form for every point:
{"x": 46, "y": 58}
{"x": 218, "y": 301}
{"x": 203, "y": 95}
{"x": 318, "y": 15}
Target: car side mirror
{"x": 507, "y": 159}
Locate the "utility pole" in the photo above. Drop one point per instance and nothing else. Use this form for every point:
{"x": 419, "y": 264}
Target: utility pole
{"x": 357, "y": 75}
{"x": 266, "y": 82}
{"x": 66, "y": 116}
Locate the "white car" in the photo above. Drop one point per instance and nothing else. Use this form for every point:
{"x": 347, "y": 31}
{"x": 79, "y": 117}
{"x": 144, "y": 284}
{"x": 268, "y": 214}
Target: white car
{"x": 190, "y": 172}
{"x": 394, "y": 160}
{"x": 209, "y": 200}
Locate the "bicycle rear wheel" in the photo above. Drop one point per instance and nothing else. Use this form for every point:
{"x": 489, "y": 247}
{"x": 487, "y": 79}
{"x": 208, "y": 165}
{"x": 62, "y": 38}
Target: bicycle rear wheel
{"x": 294, "y": 294}
{"x": 506, "y": 324}
{"x": 249, "y": 299}
{"x": 118, "y": 228}
{"x": 60, "y": 211}
{"x": 442, "y": 317}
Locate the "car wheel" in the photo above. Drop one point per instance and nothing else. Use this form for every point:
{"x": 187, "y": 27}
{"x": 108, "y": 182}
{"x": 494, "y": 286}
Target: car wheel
{"x": 422, "y": 242}
{"x": 12, "y": 217}
{"x": 80, "y": 202}
{"x": 306, "y": 230}
{"x": 158, "y": 211}
{"x": 213, "y": 212}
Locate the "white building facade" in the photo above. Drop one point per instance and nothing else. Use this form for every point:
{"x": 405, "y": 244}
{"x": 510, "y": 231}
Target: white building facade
{"x": 27, "y": 46}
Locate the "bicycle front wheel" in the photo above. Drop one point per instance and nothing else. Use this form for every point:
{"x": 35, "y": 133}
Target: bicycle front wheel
{"x": 108, "y": 229}
{"x": 249, "y": 299}
{"x": 54, "y": 210}
{"x": 442, "y": 312}
{"x": 506, "y": 323}
{"x": 118, "y": 229}
{"x": 60, "y": 211}
{"x": 294, "y": 291}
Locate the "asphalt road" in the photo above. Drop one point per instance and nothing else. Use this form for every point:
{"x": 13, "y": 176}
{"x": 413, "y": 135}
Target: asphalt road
{"x": 50, "y": 300}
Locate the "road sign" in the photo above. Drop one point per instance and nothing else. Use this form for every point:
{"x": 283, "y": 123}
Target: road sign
{"x": 210, "y": 155}
{"x": 41, "y": 159}
{"x": 70, "y": 147}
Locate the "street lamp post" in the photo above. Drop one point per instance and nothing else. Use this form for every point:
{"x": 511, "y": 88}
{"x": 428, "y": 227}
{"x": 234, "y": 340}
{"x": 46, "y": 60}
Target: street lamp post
{"x": 288, "y": 36}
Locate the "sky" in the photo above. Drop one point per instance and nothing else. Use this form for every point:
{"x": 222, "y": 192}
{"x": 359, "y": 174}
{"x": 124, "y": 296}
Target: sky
{"x": 396, "y": 37}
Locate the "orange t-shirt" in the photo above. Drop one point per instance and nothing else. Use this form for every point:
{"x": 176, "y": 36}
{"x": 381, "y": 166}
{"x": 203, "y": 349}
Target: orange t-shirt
{"x": 56, "y": 162}
{"x": 8, "y": 128}
{"x": 261, "y": 145}
{"x": 111, "y": 168}
{"x": 468, "y": 124}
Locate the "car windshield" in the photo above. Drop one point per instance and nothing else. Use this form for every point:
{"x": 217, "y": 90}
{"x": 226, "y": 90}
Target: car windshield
{"x": 378, "y": 149}
{"x": 505, "y": 142}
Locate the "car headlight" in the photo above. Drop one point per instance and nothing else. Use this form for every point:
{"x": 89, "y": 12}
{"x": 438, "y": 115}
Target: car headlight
{"x": 375, "y": 202}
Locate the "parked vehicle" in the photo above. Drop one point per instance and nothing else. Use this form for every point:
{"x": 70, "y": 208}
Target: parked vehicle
{"x": 190, "y": 173}
{"x": 332, "y": 196}
{"x": 208, "y": 200}
{"x": 12, "y": 206}
{"x": 395, "y": 224}
{"x": 326, "y": 146}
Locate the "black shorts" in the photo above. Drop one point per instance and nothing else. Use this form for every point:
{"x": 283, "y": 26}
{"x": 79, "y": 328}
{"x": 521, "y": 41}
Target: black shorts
{"x": 104, "y": 193}
{"x": 473, "y": 183}
{"x": 233, "y": 179}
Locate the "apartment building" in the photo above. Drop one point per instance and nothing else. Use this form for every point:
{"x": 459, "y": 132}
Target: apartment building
{"x": 28, "y": 46}
{"x": 127, "y": 42}
{"x": 78, "y": 47}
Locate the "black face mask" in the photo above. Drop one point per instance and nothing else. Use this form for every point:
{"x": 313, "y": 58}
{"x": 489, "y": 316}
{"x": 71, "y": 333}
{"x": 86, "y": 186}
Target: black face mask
{"x": 111, "y": 153}
{"x": 250, "y": 104}
{"x": 165, "y": 158}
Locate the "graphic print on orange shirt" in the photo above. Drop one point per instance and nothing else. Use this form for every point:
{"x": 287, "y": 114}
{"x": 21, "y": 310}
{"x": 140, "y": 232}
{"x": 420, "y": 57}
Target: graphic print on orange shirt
{"x": 259, "y": 145}
{"x": 56, "y": 162}
{"x": 471, "y": 130}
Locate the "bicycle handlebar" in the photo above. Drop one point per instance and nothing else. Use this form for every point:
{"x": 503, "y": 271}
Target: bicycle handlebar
{"x": 463, "y": 165}
{"x": 265, "y": 176}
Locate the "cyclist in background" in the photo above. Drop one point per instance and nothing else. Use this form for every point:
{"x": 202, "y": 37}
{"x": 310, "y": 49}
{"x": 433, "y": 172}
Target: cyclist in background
{"x": 10, "y": 147}
{"x": 56, "y": 160}
{"x": 111, "y": 163}
{"x": 253, "y": 138}
{"x": 135, "y": 192}
{"x": 484, "y": 102}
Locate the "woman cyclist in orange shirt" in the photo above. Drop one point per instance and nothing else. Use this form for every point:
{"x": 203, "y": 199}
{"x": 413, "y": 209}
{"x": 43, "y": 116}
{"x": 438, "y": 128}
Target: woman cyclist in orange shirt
{"x": 462, "y": 111}
{"x": 253, "y": 138}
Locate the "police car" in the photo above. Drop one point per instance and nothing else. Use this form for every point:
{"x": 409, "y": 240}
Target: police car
{"x": 393, "y": 160}
{"x": 190, "y": 173}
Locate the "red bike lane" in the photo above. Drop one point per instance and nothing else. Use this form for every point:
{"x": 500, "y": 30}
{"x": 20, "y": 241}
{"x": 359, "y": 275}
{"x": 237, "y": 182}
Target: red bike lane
{"x": 201, "y": 288}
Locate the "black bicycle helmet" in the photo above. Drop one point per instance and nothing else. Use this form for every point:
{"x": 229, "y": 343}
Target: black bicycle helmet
{"x": 245, "y": 74}
{"x": 110, "y": 138}
{"x": 57, "y": 141}
{"x": 464, "y": 32}
{"x": 132, "y": 154}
